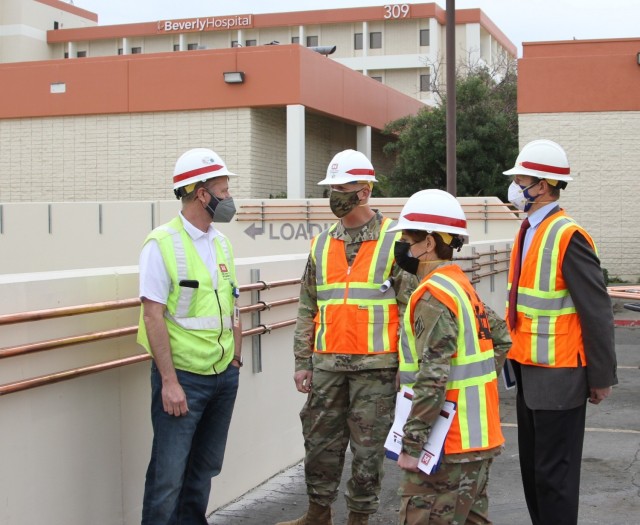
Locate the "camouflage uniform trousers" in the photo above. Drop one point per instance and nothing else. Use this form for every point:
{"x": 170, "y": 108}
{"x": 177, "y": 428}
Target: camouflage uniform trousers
{"x": 454, "y": 495}
{"x": 355, "y": 406}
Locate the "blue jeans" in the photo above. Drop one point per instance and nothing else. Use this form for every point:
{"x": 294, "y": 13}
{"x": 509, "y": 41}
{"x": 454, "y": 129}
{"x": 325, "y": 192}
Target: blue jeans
{"x": 187, "y": 450}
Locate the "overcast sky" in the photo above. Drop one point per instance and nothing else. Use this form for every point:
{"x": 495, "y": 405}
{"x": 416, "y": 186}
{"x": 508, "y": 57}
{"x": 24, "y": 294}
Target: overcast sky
{"x": 520, "y": 20}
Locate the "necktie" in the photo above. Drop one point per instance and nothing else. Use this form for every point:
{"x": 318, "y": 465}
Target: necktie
{"x": 517, "y": 264}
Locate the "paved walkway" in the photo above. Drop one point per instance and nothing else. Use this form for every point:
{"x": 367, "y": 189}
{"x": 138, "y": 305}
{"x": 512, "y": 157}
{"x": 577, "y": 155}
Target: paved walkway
{"x": 610, "y": 488}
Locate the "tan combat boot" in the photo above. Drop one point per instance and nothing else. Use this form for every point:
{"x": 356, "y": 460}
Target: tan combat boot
{"x": 358, "y": 518}
{"x": 316, "y": 515}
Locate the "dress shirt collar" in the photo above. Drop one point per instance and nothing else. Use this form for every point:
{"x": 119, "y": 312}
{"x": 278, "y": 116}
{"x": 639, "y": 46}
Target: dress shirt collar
{"x": 538, "y": 216}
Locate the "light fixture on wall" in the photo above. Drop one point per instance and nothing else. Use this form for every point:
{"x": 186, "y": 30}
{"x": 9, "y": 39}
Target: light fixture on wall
{"x": 234, "y": 77}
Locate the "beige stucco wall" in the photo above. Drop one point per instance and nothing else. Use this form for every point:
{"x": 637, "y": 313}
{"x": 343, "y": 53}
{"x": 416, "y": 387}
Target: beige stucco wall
{"x": 605, "y": 163}
{"x": 131, "y": 156}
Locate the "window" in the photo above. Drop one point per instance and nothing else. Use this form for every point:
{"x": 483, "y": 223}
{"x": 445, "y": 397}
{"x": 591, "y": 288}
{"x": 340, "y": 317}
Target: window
{"x": 234, "y": 43}
{"x": 425, "y": 83}
{"x": 378, "y": 79}
{"x": 192, "y": 47}
{"x": 81, "y": 54}
{"x": 56, "y": 25}
{"x": 250, "y": 43}
{"x": 375, "y": 40}
{"x": 120, "y": 51}
{"x": 312, "y": 41}
{"x": 66, "y": 55}
{"x": 424, "y": 37}
{"x": 176, "y": 47}
{"x": 295, "y": 39}
{"x": 357, "y": 41}
{"x": 136, "y": 50}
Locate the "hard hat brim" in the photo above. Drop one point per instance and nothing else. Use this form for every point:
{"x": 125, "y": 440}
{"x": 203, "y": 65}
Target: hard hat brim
{"x": 345, "y": 180}
{"x": 519, "y": 170}
{"x": 404, "y": 224}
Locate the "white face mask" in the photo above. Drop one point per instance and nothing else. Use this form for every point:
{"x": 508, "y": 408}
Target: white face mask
{"x": 519, "y": 196}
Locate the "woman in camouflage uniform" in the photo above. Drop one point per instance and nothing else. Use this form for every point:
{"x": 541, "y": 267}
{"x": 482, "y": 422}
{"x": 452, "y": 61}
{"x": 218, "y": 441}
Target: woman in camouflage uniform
{"x": 453, "y": 347}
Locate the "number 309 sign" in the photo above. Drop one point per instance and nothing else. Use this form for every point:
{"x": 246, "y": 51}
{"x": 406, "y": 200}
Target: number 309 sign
{"x": 396, "y": 11}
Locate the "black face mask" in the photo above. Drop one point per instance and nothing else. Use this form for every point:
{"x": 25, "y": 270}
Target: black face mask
{"x": 407, "y": 262}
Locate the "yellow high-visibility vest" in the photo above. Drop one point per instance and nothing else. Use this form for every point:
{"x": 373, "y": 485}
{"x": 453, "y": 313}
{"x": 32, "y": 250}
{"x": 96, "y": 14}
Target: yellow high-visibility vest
{"x": 199, "y": 320}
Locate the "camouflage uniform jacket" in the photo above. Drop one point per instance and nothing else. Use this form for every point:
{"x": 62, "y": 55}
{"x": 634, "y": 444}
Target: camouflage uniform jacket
{"x": 436, "y": 332}
{"x": 303, "y": 344}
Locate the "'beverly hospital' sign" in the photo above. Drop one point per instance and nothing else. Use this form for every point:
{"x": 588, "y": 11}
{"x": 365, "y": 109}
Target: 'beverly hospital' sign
{"x": 215, "y": 23}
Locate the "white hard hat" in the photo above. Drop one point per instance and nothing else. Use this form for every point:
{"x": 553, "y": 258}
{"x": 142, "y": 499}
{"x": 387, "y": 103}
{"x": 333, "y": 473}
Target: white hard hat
{"x": 349, "y": 166}
{"x": 543, "y": 159}
{"x": 196, "y": 165}
{"x": 433, "y": 211}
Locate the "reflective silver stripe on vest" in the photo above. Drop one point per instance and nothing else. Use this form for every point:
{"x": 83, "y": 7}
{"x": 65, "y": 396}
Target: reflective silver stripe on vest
{"x": 384, "y": 248}
{"x": 322, "y": 328}
{"x": 407, "y": 378}
{"x": 379, "y": 327}
{"x": 405, "y": 346}
{"x": 469, "y": 325}
{"x": 545, "y": 303}
{"x": 542, "y": 340}
{"x": 355, "y": 294}
{"x": 321, "y": 242}
{"x": 548, "y": 254}
{"x": 472, "y": 395}
{"x": 200, "y": 323}
{"x": 185, "y": 294}
{"x": 471, "y": 370}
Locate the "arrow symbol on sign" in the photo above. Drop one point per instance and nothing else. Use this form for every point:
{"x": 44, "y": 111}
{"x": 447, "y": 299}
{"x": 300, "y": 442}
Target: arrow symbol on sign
{"x": 252, "y": 231}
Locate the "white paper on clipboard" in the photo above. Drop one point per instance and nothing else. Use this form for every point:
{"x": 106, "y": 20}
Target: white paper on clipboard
{"x": 432, "y": 449}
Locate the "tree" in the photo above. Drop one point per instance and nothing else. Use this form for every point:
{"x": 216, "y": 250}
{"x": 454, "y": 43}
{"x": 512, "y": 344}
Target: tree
{"x": 487, "y": 139}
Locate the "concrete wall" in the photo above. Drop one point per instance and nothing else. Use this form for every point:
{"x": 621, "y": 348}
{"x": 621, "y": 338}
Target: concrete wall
{"x": 604, "y": 156}
{"x": 36, "y": 237}
{"x": 80, "y": 448}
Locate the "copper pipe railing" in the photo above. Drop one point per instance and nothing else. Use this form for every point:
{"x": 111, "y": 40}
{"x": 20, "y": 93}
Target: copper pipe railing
{"x": 52, "y": 344}
{"x": 56, "y": 377}
{"x": 67, "y": 311}
{"x": 130, "y": 330}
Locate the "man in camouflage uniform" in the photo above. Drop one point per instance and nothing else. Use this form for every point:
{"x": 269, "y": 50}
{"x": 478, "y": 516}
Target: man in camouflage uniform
{"x": 453, "y": 347}
{"x": 350, "y": 380}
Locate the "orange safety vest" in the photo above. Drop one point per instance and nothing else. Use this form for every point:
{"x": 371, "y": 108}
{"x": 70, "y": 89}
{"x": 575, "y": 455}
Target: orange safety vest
{"x": 354, "y": 315}
{"x": 472, "y": 383}
{"x": 547, "y": 331}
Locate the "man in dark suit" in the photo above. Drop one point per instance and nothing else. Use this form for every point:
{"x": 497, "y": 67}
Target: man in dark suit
{"x": 561, "y": 324}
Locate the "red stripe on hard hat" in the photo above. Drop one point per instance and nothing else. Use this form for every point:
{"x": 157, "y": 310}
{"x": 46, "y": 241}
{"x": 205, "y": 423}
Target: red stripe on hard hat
{"x": 546, "y": 168}
{"x": 436, "y": 219}
{"x": 361, "y": 171}
{"x": 199, "y": 171}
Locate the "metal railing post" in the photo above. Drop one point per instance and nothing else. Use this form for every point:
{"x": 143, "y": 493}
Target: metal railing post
{"x": 256, "y": 342}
